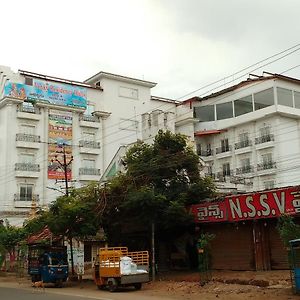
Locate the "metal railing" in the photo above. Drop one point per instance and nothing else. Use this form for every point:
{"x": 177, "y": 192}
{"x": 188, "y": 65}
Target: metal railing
{"x": 223, "y": 149}
{"x": 89, "y": 144}
{"x": 32, "y": 197}
{"x": 212, "y": 175}
{"x": 242, "y": 144}
{"x": 244, "y": 170}
{"x": 264, "y": 139}
{"x": 89, "y": 118}
{"x": 30, "y": 167}
{"x": 28, "y": 109}
{"x": 24, "y": 137}
{"x": 208, "y": 152}
{"x": 89, "y": 171}
{"x": 266, "y": 166}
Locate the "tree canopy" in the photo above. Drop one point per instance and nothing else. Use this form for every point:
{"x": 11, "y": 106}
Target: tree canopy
{"x": 160, "y": 181}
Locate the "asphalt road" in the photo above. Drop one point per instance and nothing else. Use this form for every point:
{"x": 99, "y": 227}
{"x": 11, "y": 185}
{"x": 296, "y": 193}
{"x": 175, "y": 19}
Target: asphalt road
{"x": 17, "y": 292}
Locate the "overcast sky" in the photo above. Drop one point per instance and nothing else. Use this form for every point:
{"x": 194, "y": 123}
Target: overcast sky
{"x": 180, "y": 44}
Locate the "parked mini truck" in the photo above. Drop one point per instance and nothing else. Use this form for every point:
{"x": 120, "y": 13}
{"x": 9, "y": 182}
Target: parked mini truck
{"x": 116, "y": 267}
{"x": 48, "y": 264}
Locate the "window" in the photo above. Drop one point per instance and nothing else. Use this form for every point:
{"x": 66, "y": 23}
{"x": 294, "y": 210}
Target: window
{"x": 198, "y": 149}
{"x": 88, "y": 136}
{"x": 208, "y": 149}
{"x": 244, "y": 139}
{"x": 263, "y": 99}
{"x": 28, "y": 129}
{"x": 226, "y": 169}
{"x": 297, "y": 99}
{"x": 268, "y": 185}
{"x": 26, "y": 158}
{"x": 204, "y": 113}
{"x": 267, "y": 159}
{"x": 89, "y": 163}
{"x": 265, "y": 134}
{"x": 243, "y": 106}
{"x": 224, "y": 111}
{"x": 245, "y": 164}
{"x": 224, "y": 145}
{"x": 26, "y": 192}
{"x": 285, "y": 97}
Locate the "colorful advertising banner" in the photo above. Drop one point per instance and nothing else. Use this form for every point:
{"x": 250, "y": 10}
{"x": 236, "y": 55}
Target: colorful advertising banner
{"x": 60, "y": 140}
{"x": 268, "y": 204}
{"x": 49, "y": 92}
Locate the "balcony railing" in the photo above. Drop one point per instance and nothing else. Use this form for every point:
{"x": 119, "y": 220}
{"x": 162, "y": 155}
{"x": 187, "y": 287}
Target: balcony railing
{"x": 32, "y": 197}
{"x": 89, "y": 171}
{"x": 28, "y": 109}
{"x": 89, "y": 144}
{"x": 264, "y": 139}
{"x": 212, "y": 175}
{"x": 27, "y": 167}
{"x": 223, "y": 149}
{"x": 208, "y": 152}
{"x": 242, "y": 144}
{"x": 24, "y": 137}
{"x": 221, "y": 176}
{"x": 266, "y": 166}
{"x": 244, "y": 170}
{"x": 89, "y": 118}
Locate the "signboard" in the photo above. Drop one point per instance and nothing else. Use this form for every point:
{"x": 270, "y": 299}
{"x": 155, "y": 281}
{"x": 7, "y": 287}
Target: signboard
{"x": 60, "y": 139}
{"x": 258, "y": 205}
{"x": 78, "y": 259}
{"x": 49, "y": 92}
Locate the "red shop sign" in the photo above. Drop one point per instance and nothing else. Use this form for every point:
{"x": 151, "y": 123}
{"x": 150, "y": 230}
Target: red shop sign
{"x": 257, "y": 205}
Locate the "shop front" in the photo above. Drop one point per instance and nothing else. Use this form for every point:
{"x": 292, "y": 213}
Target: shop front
{"x": 245, "y": 231}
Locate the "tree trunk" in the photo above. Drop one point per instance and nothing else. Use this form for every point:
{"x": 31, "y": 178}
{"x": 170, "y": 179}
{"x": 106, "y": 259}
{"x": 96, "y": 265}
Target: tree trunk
{"x": 71, "y": 252}
{"x": 153, "y": 249}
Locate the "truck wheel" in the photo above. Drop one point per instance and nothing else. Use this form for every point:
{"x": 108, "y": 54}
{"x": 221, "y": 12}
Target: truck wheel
{"x": 101, "y": 287}
{"x": 137, "y": 286}
{"x": 112, "y": 287}
{"x": 58, "y": 284}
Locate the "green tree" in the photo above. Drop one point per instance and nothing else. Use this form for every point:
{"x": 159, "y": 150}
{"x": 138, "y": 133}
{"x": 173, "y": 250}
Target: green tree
{"x": 288, "y": 229}
{"x": 74, "y": 215}
{"x": 160, "y": 181}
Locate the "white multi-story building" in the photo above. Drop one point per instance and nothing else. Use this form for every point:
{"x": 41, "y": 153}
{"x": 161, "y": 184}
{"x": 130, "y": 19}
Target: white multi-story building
{"x": 248, "y": 135}
{"x": 42, "y": 116}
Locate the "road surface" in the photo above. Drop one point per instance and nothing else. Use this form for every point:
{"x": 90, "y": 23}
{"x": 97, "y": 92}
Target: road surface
{"x": 16, "y": 291}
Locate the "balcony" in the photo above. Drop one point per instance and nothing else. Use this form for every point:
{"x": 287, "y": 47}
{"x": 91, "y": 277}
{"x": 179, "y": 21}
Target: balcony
{"x": 221, "y": 176}
{"x": 25, "y": 201}
{"x": 243, "y": 147}
{"x": 89, "y": 121}
{"x": 212, "y": 175}
{"x": 264, "y": 141}
{"x": 27, "y": 170}
{"x": 28, "y": 112}
{"x": 208, "y": 152}
{"x": 24, "y": 140}
{"x": 89, "y": 147}
{"x": 89, "y": 174}
{"x": 244, "y": 170}
{"x": 266, "y": 166}
{"x": 223, "y": 151}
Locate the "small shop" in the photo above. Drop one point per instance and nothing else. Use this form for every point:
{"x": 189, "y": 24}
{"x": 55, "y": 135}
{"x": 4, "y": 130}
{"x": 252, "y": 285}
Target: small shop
{"x": 245, "y": 231}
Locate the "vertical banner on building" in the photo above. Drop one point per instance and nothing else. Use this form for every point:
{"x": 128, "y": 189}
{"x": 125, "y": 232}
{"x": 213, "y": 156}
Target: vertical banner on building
{"x": 60, "y": 140}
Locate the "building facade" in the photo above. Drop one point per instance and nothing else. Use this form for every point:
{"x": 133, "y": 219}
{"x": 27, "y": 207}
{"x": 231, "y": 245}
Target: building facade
{"x": 46, "y": 119}
{"x": 247, "y": 135}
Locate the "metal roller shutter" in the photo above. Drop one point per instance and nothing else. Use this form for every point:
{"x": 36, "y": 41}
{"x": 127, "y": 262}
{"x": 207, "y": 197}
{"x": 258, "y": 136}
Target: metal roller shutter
{"x": 232, "y": 247}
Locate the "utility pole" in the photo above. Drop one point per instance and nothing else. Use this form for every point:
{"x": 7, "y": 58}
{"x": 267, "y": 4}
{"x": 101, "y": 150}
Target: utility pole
{"x": 64, "y": 167}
